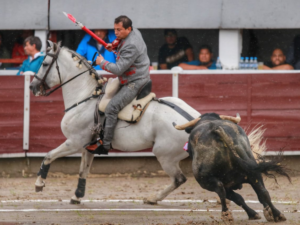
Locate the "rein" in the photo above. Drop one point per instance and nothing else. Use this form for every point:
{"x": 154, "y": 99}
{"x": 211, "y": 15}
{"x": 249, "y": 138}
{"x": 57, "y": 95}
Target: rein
{"x": 43, "y": 80}
{"x": 54, "y": 59}
{"x": 45, "y": 86}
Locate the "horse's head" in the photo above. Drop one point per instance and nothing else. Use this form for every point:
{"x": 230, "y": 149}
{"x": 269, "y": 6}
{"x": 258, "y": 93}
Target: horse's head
{"x": 48, "y": 75}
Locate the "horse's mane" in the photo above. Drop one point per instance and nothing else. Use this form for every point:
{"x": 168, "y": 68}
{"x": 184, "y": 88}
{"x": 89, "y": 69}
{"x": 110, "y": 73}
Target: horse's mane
{"x": 81, "y": 59}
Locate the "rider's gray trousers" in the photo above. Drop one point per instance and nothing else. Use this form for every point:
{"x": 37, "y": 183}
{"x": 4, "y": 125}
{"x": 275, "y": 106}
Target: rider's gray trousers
{"x": 123, "y": 97}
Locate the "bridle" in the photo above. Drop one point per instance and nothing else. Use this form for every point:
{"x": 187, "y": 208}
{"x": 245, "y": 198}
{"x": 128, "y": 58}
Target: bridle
{"x": 43, "y": 85}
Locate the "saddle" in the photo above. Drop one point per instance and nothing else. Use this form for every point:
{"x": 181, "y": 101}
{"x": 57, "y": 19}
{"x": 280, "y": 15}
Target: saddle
{"x": 133, "y": 111}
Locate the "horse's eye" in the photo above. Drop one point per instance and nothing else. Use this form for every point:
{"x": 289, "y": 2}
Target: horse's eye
{"x": 45, "y": 64}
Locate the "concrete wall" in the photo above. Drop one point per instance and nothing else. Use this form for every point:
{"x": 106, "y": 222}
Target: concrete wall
{"x": 195, "y": 14}
{"x": 23, "y": 14}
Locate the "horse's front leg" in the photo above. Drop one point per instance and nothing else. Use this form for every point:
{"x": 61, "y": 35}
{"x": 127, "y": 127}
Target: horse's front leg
{"x": 85, "y": 166}
{"x": 65, "y": 149}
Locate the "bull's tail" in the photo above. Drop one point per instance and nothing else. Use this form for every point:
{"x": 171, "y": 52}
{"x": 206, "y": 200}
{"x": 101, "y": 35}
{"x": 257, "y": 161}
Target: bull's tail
{"x": 258, "y": 146}
{"x": 250, "y": 166}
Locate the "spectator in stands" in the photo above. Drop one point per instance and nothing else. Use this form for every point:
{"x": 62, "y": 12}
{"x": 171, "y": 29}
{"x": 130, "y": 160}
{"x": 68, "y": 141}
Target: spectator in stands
{"x": 293, "y": 55}
{"x": 32, "y": 48}
{"x": 174, "y": 51}
{"x": 203, "y": 63}
{"x": 278, "y": 61}
{"x": 88, "y": 46}
{"x": 4, "y": 54}
{"x": 18, "y": 48}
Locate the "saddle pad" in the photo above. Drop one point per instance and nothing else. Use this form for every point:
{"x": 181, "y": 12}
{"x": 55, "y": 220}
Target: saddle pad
{"x": 111, "y": 89}
{"x": 128, "y": 113}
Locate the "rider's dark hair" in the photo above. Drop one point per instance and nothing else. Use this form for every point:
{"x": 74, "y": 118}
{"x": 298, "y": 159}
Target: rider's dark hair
{"x": 34, "y": 40}
{"x": 125, "y": 21}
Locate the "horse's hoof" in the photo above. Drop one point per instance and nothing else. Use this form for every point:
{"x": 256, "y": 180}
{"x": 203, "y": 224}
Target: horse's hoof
{"x": 39, "y": 188}
{"x": 268, "y": 214}
{"x": 280, "y": 218}
{"x": 256, "y": 217}
{"x": 74, "y": 202}
{"x": 149, "y": 202}
{"x": 227, "y": 216}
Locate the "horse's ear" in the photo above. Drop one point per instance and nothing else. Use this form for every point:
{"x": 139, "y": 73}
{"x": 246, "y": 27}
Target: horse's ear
{"x": 50, "y": 44}
{"x": 59, "y": 44}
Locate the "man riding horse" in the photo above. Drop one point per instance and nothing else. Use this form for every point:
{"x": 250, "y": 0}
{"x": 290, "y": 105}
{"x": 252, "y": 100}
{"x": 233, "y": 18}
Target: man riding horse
{"x": 132, "y": 69}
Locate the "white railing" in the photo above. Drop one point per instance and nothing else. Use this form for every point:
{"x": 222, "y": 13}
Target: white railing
{"x": 174, "y": 72}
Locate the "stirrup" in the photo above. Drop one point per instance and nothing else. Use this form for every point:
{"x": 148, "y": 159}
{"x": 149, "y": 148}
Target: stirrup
{"x": 96, "y": 147}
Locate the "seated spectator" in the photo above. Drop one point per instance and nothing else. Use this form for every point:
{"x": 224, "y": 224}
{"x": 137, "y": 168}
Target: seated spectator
{"x": 4, "y": 54}
{"x": 277, "y": 61}
{"x": 18, "y": 48}
{"x": 293, "y": 55}
{"x": 205, "y": 60}
{"x": 88, "y": 46}
{"x": 32, "y": 48}
{"x": 174, "y": 51}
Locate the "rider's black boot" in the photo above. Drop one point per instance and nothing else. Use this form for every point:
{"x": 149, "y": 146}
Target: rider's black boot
{"x": 97, "y": 147}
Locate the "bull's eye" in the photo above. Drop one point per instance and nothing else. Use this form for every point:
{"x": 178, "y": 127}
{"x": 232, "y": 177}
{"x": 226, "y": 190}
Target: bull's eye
{"x": 45, "y": 64}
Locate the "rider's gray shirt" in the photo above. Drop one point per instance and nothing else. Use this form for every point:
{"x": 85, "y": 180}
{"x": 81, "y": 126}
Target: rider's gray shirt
{"x": 132, "y": 60}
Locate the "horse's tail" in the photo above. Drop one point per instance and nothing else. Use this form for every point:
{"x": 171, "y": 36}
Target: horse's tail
{"x": 261, "y": 165}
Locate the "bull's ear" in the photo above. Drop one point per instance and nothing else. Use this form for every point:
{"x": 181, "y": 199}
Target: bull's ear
{"x": 189, "y": 129}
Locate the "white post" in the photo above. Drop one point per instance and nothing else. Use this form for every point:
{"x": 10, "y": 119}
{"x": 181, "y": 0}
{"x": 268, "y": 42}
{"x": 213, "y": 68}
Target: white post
{"x": 230, "y": 48}
{"x": 175, "y": 73}
{"x": 26, "y": 112}
{"x": 42, "y": 34}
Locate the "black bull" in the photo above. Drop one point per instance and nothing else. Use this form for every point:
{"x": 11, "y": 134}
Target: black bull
{"x": 223, "y": 161}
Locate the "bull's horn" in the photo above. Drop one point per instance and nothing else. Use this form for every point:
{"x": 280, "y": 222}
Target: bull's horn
{"x": 188, "y": 124}
{"x": 236, "y": 119}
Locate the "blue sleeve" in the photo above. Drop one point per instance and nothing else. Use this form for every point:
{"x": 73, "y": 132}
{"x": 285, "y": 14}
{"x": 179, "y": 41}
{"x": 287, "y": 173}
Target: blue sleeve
{"x": 213, "y": 66}
{"x": 111, "y": 35}
{"x": 82, "y": 47}
{"x": 22, "y": 68}
{"x": 193, "y": 63}
{"x": 38, "y": 65}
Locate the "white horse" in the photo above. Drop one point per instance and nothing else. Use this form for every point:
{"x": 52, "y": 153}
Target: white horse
{"x": 154, "y": 130}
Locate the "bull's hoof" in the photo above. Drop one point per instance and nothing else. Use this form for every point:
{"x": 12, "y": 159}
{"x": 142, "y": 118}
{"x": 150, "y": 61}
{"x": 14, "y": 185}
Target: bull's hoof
{"x": 268, "y": 214}
{"x": 39, "y": 189}
{"x": 74, "y": 202}
{"x": 280, "y": 218}
{"x": 149, "y": 202}
{"x": 227, "y": 217}
{"x": 256, "y": 217}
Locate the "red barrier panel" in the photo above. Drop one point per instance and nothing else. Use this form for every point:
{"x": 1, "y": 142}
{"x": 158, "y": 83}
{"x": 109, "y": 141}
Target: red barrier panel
{"x": 272, "y": 100}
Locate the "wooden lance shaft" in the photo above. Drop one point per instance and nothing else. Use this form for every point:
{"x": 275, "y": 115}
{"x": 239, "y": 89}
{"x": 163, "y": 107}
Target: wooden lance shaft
{"x": 94, "y": 36}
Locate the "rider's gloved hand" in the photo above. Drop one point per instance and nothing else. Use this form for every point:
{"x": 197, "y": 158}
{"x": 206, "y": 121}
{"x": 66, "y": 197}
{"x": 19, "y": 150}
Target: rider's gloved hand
{"x": 109, "y": 47}
{"x": 99, "y": 59}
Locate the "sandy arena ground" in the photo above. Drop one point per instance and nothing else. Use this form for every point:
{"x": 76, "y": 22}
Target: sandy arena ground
{"x": 117, "y": 199}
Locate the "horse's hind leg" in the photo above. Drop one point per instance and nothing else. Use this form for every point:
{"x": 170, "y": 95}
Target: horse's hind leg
{"x": 177, "y": 178}
{"x": 85, "y": 166}
{"x": 65, "y": 149}
{"x": 239, "y": 200}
